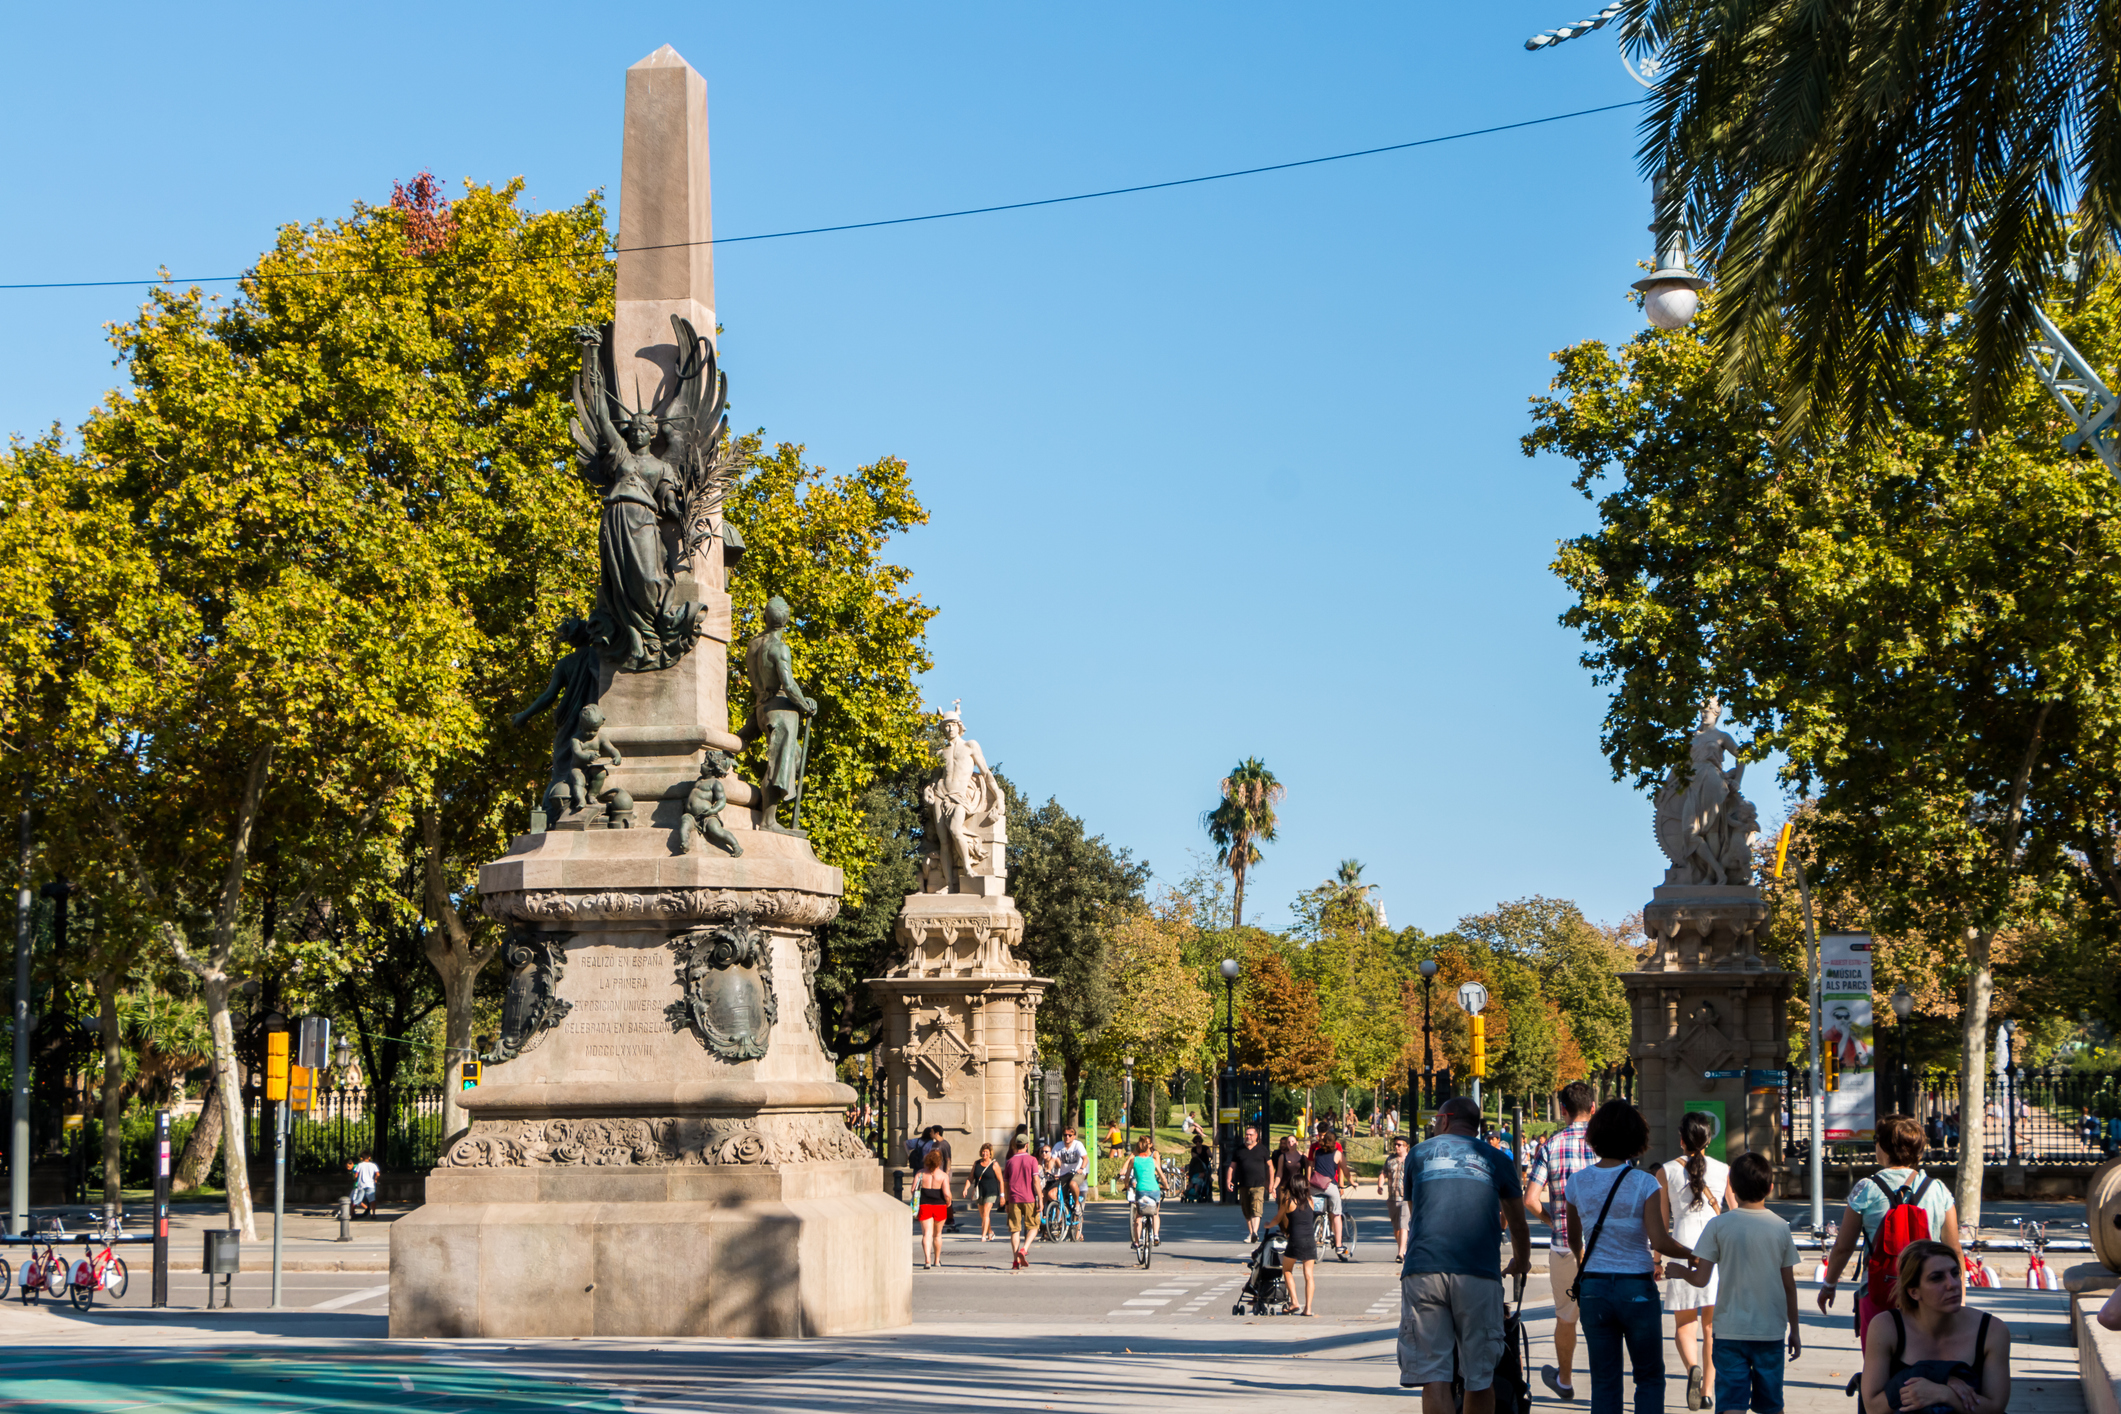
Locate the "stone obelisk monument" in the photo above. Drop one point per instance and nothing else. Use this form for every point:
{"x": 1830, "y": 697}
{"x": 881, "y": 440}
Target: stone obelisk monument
{"x": 1703, "y": 998}
{"x": 658, "y": 1148}
{"x": 961, "y": 1012}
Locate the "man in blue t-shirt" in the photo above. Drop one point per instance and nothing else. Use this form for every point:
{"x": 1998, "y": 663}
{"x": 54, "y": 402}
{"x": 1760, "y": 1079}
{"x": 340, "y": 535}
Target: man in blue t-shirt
{"x": 1460, "y": 1192}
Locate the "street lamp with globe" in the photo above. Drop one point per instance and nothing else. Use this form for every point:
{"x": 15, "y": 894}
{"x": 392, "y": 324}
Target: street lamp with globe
{"x": 1428, "y": 1065}
{"x": 1903, "y": 1008}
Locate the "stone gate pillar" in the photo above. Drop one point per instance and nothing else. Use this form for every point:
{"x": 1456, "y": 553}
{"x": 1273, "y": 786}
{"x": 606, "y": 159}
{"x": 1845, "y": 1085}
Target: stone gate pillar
{"x": 1703, "y": 999}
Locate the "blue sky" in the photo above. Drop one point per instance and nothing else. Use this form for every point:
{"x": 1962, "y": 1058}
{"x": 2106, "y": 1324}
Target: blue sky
{"x": 1222, "y": 471}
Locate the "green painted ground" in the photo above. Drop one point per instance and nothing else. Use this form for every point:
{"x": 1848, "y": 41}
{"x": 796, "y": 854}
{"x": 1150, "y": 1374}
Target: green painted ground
{"x": 180, "y": 1381}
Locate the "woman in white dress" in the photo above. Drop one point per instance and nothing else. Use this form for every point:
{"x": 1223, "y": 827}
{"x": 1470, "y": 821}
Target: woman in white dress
{"x": 1696, "y": 1188}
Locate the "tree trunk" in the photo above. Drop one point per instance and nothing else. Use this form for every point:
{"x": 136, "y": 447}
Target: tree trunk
{"x": 197, "y": 1160}
{"x": 1973, "y": 1077}
{"x": 1237, "y": 906}
{"x": 1980, "y": 988}
{"x": 449, "y": 947}
{"x": 113, "y": 1084}
{"x": 235, "y": 1157}
{"x": 1072, "y": 1090}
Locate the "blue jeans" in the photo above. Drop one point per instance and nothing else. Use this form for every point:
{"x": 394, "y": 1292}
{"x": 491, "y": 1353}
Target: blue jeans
{"x": 1617, "y": 1311}
{"x": 1748, "y": 1370}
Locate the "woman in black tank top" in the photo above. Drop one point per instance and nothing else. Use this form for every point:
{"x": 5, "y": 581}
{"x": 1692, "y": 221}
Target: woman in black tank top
{"x": 1932, "y": 1354}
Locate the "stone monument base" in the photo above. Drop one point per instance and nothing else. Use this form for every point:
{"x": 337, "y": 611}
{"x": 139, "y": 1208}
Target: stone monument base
{"x": 769, "y": 1251}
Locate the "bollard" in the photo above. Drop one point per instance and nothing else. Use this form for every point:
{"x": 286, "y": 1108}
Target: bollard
{"x": 345, "y": 1220}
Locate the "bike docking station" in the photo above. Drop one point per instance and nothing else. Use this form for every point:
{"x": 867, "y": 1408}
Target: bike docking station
{"x": 658, "y": 1145}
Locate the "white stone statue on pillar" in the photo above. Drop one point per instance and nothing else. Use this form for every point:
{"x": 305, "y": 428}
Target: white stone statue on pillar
{"x": 967, "y": 816}
{"x": 1704, "y": 825}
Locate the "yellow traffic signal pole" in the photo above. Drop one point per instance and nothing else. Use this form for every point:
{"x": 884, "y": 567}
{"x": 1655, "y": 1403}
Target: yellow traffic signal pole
{"x": 276, "y": 1096}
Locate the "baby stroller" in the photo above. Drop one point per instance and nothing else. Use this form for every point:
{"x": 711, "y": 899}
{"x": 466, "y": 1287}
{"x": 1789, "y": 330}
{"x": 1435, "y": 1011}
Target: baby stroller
{"x": 1198, "y": 1186}
{"x": 1266, "y": 1291}
{"x": 1512, "y": 1386}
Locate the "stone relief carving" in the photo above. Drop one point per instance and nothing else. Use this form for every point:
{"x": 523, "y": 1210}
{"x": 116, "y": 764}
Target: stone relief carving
{"x": 813, "y": 955}
{"x": 726, "y": 974}
{"x": 778, "y": 908}
{"x": 684, "y": 1141}
{"x": 531, "y": 1006}
{"x": 1705, "y": 827}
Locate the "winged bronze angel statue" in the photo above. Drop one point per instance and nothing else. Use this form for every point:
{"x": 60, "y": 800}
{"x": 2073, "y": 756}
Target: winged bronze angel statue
{"x": 658, "y": 505}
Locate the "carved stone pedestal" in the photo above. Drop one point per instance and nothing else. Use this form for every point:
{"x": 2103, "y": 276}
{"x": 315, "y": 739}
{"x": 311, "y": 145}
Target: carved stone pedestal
{"x": 667, "y": 1155}
{"x": 960, "y": 1023}
{"x": 1704, "y": 999}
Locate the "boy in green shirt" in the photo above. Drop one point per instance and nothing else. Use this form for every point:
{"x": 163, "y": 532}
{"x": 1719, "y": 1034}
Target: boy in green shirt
{"x": 1756, "y": 1301}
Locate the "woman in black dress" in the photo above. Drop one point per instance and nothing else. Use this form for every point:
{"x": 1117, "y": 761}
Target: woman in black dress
{"x": 1301, "y": 1227}
{"x": 984, "y": 1187}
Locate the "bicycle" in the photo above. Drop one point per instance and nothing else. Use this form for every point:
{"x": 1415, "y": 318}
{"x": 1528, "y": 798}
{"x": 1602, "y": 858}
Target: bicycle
{"x": 1141, "y": 1229}
{"x": 99, "y": 1271}
{"x": 1322, "y": 1228}
{"x": 1062, "y": 1217}
{"x": 44, "y": 1273}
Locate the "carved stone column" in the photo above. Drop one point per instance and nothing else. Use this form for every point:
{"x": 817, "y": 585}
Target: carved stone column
{"x": 960, "y": 1024}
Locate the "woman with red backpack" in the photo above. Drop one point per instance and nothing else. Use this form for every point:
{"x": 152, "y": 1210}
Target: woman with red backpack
{"x": 1894, "y": 1207}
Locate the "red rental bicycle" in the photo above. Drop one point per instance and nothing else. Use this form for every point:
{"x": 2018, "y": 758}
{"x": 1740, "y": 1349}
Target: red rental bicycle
{"x": 44, "y": 1273}
{"x": 98, "y": 1271}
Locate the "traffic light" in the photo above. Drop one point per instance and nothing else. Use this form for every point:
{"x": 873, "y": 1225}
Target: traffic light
{"x": 276, "y": 1065}
{"x": 470, "y": 1079}
{"x": 301, "y": 1086}
{"x": 1480, "y": 1047}
{"x": 1833, "y": 1072}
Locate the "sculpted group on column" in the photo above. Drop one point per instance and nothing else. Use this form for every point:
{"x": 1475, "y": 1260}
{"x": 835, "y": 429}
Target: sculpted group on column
{"x": 960, "y": 1026}
{"x": 1703, "y": 998}
{"x": 659, "y": 1144}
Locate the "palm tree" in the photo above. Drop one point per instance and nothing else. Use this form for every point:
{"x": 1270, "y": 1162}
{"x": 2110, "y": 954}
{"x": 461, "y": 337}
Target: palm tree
{"x": 1827, "y": 155}
{"x": 1351, "y": 893}
{"x": 1245, "y": 817}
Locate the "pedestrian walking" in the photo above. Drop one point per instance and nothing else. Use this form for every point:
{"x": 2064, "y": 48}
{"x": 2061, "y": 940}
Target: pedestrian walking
{"x": 1745, "y": 1254}
{"x": 1022, "y": 1178}
{"x": 1546, "y": 1197}
{"x": 1897, "y": 1205}
{"x": 1695, "y": 1188}
{"x": 1460, "y": 1194}
{"x": 938, "y": 1144}
{"x": 1248, "y": 1176}
{"x": 932, "y": 1183}
{"x": 1392, "y": 1184}
{"x": 983, "y": 1185}
{"x": 1614, "y": 1225}
{"x": 365, "y": 1177}
{"x": 1300, "y": 1258}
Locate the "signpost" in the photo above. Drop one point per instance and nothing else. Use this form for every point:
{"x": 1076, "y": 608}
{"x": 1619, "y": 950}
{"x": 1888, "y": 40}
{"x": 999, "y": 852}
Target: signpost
{"x": 1473, "y": 997}
{"x": 276, "y": 1078}
{"x": 158, "y": 1288}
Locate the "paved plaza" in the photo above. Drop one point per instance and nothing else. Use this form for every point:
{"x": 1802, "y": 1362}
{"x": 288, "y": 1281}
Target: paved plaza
{"x": 1085, "y": 1329}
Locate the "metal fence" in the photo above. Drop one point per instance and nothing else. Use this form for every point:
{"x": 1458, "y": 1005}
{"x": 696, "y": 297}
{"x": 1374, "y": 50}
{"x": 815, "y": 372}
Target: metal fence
{"x": 341, "y": 1126}
{"x": 2045, "y": 1116}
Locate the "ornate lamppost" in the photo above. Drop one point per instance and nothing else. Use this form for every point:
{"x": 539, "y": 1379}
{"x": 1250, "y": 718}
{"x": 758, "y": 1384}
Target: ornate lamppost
{"x": 1428, "y": 1060}
{"x": 1903, "y": 1008}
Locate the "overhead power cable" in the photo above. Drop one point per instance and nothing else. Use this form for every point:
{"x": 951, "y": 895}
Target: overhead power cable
{"x": 887, "y": 221}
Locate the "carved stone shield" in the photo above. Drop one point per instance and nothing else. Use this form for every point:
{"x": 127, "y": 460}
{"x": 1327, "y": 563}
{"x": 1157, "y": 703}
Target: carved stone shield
{"x": 536, "y": 962}
{"x": 726, "y": 972}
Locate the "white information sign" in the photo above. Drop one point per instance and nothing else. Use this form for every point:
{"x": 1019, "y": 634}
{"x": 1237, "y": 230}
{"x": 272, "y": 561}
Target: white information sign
{"x": 1473, "y": 997}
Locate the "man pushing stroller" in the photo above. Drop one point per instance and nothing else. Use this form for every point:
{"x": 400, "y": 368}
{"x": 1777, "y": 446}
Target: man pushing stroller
{"x": 1459, "y": 1193}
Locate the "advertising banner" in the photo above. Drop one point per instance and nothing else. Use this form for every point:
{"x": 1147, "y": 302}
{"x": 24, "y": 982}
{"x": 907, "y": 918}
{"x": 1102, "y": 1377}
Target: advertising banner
{"x": 1845, "y": 1034}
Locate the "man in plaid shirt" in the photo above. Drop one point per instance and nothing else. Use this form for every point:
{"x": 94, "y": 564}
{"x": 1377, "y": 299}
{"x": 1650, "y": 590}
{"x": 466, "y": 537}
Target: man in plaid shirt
{"x": 1546, "y": 1196}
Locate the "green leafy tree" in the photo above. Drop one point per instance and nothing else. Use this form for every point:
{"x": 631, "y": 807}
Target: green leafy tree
{"x": 1243, "y": 819}
{"x": 860, "y": 942}
{"x": 1825, "y": 152}
{"x": 856, "y": 639}
{"x": 1160, "y": 1011}
{"x": 1577, "y": 964}
{"x": 1925, "y": 624}
{"x": 1280, "y": 1027}
{"x": 1073, "y": 889}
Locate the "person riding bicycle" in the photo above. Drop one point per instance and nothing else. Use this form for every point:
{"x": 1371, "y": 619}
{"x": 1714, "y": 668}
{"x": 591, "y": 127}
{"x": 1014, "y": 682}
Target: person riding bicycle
{"x": 1145, "y": 1194}
{"x": 1070, "y": 1160}
{"x": 1329, "y": 1174}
